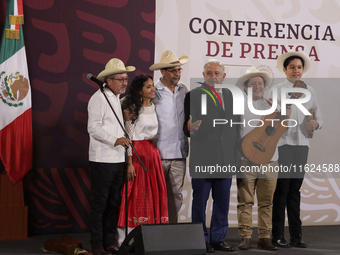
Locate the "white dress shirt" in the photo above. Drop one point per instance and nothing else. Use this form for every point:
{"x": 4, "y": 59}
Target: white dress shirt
{"x": 104, "y": 128}
{"x": 170, "y": 139}
{"x": 298, "y": 135}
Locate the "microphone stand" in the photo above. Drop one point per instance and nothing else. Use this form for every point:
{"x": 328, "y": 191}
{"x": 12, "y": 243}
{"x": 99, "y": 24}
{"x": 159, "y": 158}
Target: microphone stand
{"x": 126, "y": 159}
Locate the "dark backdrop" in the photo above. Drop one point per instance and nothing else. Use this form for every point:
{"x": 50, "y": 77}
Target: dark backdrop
{"x": 65, "y": 40}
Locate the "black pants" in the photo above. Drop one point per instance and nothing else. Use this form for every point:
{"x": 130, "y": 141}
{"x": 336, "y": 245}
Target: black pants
{"x": 106, "y": 182}
{"x": 287, "y": 193}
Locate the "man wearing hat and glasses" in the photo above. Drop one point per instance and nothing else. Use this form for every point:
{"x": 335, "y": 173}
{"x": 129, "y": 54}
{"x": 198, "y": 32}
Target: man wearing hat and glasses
{"x": 293, "y": 151}
{"x": 106, "y": 156}
{"x": 170, "y": 139}
{"x": 254, "y": 82}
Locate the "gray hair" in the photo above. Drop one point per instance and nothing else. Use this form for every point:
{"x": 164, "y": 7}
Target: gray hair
{"x": 213, "y": 61}
{"x": 109, "y": 77}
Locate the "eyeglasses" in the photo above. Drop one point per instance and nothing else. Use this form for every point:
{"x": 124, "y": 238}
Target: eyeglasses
{"x": 174, "y": 71}
{"x": 121, "y": 80}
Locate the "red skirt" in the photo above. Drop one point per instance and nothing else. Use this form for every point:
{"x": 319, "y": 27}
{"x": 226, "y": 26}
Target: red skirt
{"x": 147, "y": 197}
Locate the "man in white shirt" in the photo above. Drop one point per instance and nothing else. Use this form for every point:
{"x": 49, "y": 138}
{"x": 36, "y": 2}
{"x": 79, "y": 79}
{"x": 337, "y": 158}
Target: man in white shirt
{"x": 106, "y": 156}
{"x": 170, "y": 139}
{"x": 293, "y": 152}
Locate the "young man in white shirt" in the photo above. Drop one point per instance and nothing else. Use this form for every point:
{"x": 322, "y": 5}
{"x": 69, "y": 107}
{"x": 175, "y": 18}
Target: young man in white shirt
{"x": 293, "y": 151}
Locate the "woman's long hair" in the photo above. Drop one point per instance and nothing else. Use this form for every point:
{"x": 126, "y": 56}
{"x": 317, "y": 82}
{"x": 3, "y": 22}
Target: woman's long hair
{"x": 133, "y": 99}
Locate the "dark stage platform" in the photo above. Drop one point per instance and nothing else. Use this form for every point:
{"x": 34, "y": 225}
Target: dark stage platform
{"x": 320, "y": 240}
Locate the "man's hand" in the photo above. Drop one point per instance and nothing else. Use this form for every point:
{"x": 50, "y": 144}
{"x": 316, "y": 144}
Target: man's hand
{"x": 123, "y": 141}
{"x": 128, "y": 115}
{"x": 193, "y": 127}
{"x": 131, "y": 172}
{"x": 312, "y": 125}
{"x": 288, "y": 111}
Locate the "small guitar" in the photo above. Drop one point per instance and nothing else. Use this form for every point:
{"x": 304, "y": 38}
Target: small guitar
{"x": 310, "y": 133}
{"x": 259, "y": 145}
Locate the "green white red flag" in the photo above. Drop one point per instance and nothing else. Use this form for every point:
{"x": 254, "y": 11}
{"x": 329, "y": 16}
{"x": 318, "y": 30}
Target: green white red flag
{"x": 15, "y": 97}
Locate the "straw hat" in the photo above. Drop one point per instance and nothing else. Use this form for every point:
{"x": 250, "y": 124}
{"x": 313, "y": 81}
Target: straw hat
{"x": 168, "y": 60}
{"x": 253, "y": 72}
{"x": 281, "y": 59}
{"x": 115, "y": 66}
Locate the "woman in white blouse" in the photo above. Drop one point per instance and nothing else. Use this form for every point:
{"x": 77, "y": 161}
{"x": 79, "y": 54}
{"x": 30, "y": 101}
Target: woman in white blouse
{"x": 147, "y": 197}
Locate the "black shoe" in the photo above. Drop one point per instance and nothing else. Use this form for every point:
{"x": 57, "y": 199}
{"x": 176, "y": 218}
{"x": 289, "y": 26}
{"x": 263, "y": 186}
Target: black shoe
{"x": 112, "y": 249}
{"x": 297, "y": 242}
{"x": 222, "y": 246}
{"x": 209, "y": 248}
{"x": 280, "y": 242}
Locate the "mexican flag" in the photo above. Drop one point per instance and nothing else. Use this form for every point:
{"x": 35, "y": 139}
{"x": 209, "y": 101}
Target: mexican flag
{"x": 15, "y": 97}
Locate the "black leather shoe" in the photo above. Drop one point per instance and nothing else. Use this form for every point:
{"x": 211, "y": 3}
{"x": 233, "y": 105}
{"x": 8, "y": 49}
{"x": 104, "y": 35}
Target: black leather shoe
{"x": 266, "y": 244}
{"x": 297, "y": 242}
{"x": 209, "y": 248}
{"x": 245, "y": 244}
{"x": 280, "y": 242}
{"x": 222, "y": 246}
{"x": 112, "y": 249}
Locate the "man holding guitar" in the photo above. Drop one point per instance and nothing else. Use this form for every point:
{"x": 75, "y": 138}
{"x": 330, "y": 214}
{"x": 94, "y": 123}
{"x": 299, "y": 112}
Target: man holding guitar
{"x": 253, "y": 84}
{"x": 293, "y": 151}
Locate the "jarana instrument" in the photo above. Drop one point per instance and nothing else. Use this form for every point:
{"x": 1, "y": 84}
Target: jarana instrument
{"x": 259, "y": 145}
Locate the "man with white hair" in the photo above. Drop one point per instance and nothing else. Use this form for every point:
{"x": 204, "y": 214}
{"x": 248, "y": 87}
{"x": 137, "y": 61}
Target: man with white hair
{"x": 211, "y": 146}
